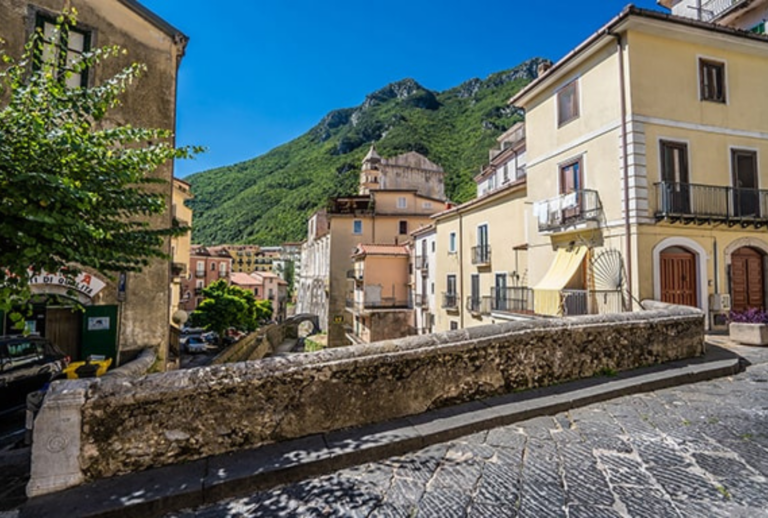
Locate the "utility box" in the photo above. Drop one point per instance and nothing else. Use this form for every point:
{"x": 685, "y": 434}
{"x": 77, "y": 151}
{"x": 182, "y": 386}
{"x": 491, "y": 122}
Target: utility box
{"x": 720, "y": 302}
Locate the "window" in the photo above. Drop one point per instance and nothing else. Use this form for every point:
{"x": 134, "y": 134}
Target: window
{"x": 433, "y": 247}
{"x": 357, "y": 226}
{"x": 568, "y": 103}
{"x": 200, "y": 266}
{"x": 454, "y": 325}
{"x": 403, "y": 228}
{"x": 427, "y": 205}
{"x": 570, "y": 177}
{"x": 432, "y": 288}
{"x": 213, "y": 267}
{"x": 451, "y": 285}
{"x": 452, "y": 243}
{"x": 402, "y": 202}
{"x": 712, "y": 80}
{"x": 63, "y": 51}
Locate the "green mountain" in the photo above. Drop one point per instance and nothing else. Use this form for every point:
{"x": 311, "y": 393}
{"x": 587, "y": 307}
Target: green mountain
{"x": 267, "y": 200}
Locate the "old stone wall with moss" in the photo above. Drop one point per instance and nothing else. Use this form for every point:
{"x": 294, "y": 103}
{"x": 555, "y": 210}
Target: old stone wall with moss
{"x": 175, "y": 417}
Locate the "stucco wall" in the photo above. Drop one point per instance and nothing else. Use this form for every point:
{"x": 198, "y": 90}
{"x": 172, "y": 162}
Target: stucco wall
{"x": 131, "y": 425}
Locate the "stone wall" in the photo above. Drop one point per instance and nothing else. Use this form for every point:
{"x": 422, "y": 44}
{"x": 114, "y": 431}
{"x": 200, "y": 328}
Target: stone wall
{"x": 180, "y": 416}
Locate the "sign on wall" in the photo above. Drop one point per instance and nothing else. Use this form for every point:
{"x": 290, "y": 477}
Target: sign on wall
{"x": 85, "y": 283}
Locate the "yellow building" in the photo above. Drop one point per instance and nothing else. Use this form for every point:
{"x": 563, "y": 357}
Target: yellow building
{"x": 244, "y": 257}
{"x": 647, "y": 148}
{"x": 180, "y": 245}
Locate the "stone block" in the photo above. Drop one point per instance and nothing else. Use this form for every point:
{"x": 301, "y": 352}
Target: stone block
{"x": 749, "y": 334}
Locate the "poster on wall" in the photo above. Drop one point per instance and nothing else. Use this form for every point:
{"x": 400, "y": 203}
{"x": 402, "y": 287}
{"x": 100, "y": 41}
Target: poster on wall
{"x": 98, "y": 324}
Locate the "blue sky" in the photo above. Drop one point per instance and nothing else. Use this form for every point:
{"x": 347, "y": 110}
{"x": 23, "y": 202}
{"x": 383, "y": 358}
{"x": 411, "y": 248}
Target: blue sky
{"x": 259, "y": 73}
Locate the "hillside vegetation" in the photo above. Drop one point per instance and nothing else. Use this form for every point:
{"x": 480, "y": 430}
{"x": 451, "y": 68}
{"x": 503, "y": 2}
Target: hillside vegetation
{"x": 266, "y": 200}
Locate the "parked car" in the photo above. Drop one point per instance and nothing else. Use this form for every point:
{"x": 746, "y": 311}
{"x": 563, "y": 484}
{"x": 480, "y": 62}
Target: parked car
{"x": 194, "y": 344}
{"x": 27, "y": 363}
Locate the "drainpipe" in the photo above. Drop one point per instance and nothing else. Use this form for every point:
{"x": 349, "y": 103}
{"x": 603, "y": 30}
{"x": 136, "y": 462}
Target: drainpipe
{"x": 627, "y": 227}
{"x": 461, "y": 269}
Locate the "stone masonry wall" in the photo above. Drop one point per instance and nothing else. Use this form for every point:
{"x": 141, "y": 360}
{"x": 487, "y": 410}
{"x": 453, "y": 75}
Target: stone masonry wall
{"x": 185, "y": 415}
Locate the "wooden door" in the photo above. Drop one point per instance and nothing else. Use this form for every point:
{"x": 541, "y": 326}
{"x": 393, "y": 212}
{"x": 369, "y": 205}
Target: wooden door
{"x": 571, "y": 181}
{"x": 678, "y": 277}
{"x": 747, "y": 284}
{"x": 62, "y": 327}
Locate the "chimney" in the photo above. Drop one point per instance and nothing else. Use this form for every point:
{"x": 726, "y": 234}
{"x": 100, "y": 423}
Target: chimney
{"x": 543, "y": 67}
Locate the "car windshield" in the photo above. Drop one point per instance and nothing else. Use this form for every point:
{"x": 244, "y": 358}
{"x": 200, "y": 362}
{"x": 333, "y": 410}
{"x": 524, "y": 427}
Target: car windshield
{"x": 24, "y": 351}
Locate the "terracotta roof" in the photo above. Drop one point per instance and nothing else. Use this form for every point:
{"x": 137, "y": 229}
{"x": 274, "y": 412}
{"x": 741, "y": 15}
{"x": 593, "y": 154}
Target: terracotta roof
{"x": 243, "y": 279}
{"x": 381, "y": 250}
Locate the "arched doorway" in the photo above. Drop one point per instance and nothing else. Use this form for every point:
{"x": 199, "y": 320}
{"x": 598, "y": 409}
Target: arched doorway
{"x": 747, "y": 279}
{"x": 678, "y": 278}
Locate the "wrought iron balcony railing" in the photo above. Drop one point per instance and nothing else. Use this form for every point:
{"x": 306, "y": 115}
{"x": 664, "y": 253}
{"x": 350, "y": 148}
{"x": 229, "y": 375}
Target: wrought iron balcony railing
{"x": 568, "y": 209}
{"x": 687, "y": 201}
{"x": 592, "y": 302}
{"x": 481, "y": 255}
{"x": 200, "y": 274}
{"x": 512, "y": 300}
{"x": 421, "y": 300}
{"x": 479, "y": 305}
{"x": 450, "y": 301}
{"x": 422, "y": 262}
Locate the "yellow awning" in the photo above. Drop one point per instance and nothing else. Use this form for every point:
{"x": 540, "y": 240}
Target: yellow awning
{"x": 546, "y": 294}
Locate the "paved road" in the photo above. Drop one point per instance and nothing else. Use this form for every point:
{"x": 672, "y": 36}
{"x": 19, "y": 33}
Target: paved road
{"x": 699, "y": 450}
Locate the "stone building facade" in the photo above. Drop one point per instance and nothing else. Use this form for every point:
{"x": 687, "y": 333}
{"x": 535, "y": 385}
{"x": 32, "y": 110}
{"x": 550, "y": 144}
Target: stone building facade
{"x": 135, "y": 306}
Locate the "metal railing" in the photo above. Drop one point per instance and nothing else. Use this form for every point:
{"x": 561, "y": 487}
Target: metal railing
{"x": 714, "y": 8}
{"x": 481, "y": 254}
{"x": 422, "y": 262}
{"x": 479, "y": 305}
{"x": 421, "y": 300}
{"x": 592, "y": 302}
{"x": 450, "y": 301}
{"x": 568, "y": 209}
{"x": 512, "y": 300}
{"x": 710, "y": 202}
{"x": 199, "y": 273}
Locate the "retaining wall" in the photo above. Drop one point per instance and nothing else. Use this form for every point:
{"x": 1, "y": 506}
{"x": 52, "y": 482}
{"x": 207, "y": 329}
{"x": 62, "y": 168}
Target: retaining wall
{"x": 128, "y": 425}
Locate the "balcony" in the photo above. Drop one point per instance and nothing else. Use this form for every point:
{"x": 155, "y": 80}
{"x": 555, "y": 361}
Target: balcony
{"x": 422, "y": 263}
{"x": 178, "y": 269}
{"x": 700, "y": 204}
{"x": 479, "y": 305}
{"x": 223, "y": 274}
{"x": 450, "y": 301}
{"x": 592, "y": 302}
{"x": 512, "y": 300}
{"x": 575, "y": 209}
{"x": 481, "y": 255}
{"x": 421, "y": 300}
{"x": 198, "y": 291}
{"x": 200, "y": 274}
{"x": 714, "y": 9}
{"x": 356, "y": 275}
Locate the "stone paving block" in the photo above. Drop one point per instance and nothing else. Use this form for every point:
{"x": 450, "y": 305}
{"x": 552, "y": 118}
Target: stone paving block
{"x": 443, "y": 503}
{"x": 624, "y": 470}
{"x": 405, "y": 492}
{"x": 646, "y": 501}
{"x": 390, "y": 510}
{"x": 542, "y": 501}
{"x": 539, "y": 427}
{"x": 748, "y": 491}
{"x": 498, "y": 484}
{"x": 681, "y": 484}
{"x": 507, "y": 436}
{"x": 722, "y": 466}
{"x": 752, "y": 453}
{"x": 488, "y": 510}
{"x": 587, "y": 511}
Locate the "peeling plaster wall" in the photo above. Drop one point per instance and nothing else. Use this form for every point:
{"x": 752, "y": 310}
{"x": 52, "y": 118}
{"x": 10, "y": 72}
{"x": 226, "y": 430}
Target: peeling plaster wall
{"x": 139, "y": 424}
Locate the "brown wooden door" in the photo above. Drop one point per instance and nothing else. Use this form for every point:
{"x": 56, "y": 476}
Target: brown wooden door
{"x": 745, "y": 194}
{"x": 747, "y": 288}
{"x": 678, "y": 278}
{"x": 62, "y": 327}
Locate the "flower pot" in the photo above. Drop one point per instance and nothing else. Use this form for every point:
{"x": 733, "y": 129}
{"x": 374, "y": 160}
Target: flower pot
{"x": 748, "y": 334}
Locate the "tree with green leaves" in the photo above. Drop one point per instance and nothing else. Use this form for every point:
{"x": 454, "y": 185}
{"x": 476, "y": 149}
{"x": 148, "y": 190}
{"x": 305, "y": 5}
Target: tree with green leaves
{"x": 226, "y": 306}
{"x": 75, "y": 192}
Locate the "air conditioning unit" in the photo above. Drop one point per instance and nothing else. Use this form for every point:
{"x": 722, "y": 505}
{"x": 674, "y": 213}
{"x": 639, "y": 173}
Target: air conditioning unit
{"x": 720, "y": 302}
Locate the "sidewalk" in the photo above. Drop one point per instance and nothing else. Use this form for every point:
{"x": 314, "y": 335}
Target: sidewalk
{"x": 159, "y": 491}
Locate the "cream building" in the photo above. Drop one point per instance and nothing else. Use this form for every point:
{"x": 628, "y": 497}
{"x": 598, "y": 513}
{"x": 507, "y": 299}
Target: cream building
{"x": 378, "y": 215}
{"x": 647, "y": 150}
{"x": 424, "y": 260}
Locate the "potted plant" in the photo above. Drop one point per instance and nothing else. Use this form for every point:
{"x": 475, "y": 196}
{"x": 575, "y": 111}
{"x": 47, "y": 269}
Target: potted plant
{"x": 749, "y": 327}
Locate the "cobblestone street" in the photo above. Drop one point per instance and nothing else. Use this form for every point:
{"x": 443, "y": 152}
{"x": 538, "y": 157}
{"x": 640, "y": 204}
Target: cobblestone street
{"x": 696, "y": 450}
